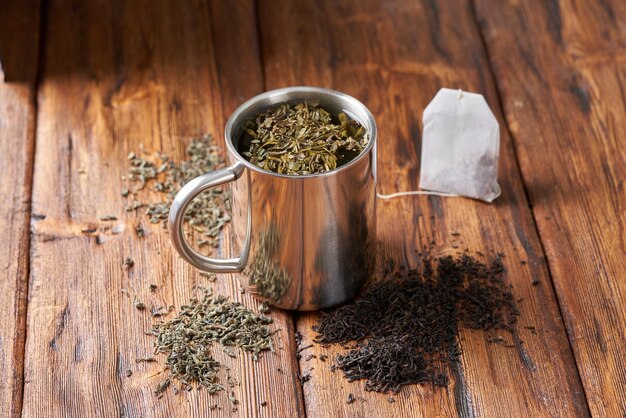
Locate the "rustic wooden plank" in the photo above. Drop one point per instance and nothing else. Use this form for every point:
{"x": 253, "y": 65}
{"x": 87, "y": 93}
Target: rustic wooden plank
{"x": 19, "y": 39}
{"x": 17, "y": 137}
{"x": 19, "y": 46}
{"x": 118, "y": 74}
{"x": 561, "y": 71}
{"x": 394, "y": 56}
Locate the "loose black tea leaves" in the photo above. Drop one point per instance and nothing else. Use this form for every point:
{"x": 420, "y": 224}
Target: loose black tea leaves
{"x": 301, "y": 139}
{"x": 188, "y": 338}
{"x": 405, "y": 327}
{"x": 206, "y": 215}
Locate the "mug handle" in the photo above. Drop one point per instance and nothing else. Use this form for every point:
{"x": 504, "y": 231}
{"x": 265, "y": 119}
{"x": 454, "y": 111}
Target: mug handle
{"x": 177, "y": 212}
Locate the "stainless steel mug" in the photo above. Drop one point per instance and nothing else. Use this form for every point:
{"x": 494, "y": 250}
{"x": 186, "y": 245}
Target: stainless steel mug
{"x": 304, "y": 242}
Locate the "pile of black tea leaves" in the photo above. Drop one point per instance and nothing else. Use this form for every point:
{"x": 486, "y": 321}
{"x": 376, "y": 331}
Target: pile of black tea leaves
{"x": 403, "y": 329}
{"x": 189, "y": 339}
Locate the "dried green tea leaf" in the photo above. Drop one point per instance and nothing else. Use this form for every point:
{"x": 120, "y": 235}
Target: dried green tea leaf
{"x": 128, "y": 263}
{"x": 206, "y": 215}
{"x": 188, "y": 338}
{"x": 301, "y": 139}
{"x": 162, "y": 386}
{"x": 209, "y": 276}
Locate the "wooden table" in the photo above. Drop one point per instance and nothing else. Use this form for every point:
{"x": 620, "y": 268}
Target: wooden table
{"x": 94, "y": 80}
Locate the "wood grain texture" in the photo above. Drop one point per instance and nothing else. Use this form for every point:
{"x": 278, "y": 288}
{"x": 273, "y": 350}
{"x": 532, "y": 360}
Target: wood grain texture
{"x": 561, "y": 72}
{"x": 119, "y": 74}
{"x": 394, "y": 56}
{"x": 19, "y": 39}
{"x": 17, "y": 137}
{"x": 19, "y": 46}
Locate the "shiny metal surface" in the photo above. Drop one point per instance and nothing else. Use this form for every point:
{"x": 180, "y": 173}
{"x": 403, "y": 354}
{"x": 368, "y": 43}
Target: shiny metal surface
{"x": 175, "y": 222}
{"x": 305, "y": 242}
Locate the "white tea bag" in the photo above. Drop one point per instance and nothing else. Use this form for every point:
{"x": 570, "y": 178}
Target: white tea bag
{"x": 460, "y": 146}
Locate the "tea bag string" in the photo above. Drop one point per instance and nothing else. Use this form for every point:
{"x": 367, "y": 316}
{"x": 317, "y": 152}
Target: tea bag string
{"x": 418, "y": 192}
{"x": 412, "y": 193}
{"x": 407, "y": 193}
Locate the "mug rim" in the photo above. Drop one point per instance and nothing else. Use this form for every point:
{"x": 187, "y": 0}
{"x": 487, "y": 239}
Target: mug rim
{"x": 281, "y": 95}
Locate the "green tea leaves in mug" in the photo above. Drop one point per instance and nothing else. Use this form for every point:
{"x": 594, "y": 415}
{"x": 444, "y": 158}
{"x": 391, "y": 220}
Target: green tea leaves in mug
{"x": 301, "y": 139}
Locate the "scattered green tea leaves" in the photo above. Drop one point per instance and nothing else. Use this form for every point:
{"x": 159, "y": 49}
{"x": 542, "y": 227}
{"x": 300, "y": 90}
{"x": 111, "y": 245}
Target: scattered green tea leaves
{"x": 162, "y": 386}
{"x": 211, "y": 277}
{"x": 206, "y": 215}
{"x": 158, "y": 311}
{"x": 188, "y": 338}
{"x": 264, "y": 307}
{"x": 140, "y": 231}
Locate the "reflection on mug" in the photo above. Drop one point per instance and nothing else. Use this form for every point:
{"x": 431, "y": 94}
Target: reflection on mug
{"x": 266, "y": 276}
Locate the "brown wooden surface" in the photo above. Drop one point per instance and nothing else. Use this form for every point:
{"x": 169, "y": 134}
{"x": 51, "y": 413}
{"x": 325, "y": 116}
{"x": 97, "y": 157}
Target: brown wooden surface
{"x": 19, "y": 46}
{"x": 17, "y": 136}
{"x": 129, "y": 74}
{"x": 394, "y": 57}
{"x": 563, "y": 91}
{"x": 19, "y": 39}
{"x": 114, "y": 75}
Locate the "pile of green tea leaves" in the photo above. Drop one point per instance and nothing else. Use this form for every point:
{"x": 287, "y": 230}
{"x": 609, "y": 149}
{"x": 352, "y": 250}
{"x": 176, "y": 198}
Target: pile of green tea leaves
{"x": 301, "y": 139}
{"x": 188, "y": 339}
{"x": 206, "y": 215}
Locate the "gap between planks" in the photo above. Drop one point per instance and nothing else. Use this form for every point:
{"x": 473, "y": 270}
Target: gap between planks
{"x": 22, "y": 293}
{"x": 533, "y": 215}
